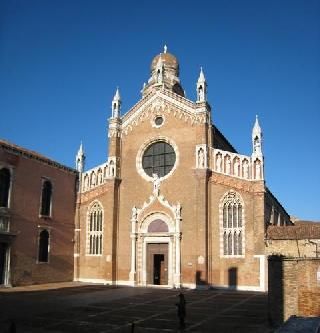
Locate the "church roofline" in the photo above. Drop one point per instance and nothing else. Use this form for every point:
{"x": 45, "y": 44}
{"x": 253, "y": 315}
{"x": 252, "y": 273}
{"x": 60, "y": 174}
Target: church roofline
{"x": 216, "y": 130}
{"x": 188, "y": 103}
{"x": 18, "y": 150}
{"x": 278, "y": 202}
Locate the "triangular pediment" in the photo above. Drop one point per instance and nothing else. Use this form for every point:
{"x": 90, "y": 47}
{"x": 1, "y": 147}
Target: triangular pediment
{"x": 164, "y": 102}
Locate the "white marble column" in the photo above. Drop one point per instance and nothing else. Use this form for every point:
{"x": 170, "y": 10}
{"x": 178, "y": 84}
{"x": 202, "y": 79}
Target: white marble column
{"x": 177, "y": 275}
{"x": 132, "y": 273}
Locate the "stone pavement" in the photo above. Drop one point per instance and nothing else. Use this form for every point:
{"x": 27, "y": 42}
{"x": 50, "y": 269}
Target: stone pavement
{"x": 96, "y": 308}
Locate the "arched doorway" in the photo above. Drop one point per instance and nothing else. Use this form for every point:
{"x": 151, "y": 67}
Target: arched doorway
{"x": 156, "y": 252}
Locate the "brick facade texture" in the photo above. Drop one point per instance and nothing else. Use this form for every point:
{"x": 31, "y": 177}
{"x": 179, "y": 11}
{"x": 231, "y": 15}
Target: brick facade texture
{"x": 28, "y": 170}
{"x": 294, "y": 287}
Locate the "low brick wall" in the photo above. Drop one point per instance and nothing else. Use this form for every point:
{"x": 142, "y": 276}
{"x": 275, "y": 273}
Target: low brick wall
{"x": 294, "y": 287}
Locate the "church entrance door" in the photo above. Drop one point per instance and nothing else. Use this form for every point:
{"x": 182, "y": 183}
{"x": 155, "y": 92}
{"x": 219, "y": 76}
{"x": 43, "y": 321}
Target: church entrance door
{"x": 157, "y": 263}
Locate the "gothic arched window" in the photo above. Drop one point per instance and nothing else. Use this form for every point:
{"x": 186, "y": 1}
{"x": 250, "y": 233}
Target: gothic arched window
{"x": 95, "y": 230}
{"x": 43, "y": 252}
{"x": 4, "y": 187}
{"x": 46, "y": 197}
{"x": 232, "y": 228}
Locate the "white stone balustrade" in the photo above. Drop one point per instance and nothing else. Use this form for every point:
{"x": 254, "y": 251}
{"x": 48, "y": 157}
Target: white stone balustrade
{"x": 236, "y": 165}
{"x": 98, "y": 176}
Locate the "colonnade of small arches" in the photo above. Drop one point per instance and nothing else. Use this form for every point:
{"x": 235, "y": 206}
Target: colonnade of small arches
{"x": 237, "y": 165}
{"x": 98, "y": 175}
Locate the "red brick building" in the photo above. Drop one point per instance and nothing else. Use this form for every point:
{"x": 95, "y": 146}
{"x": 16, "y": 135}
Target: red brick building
{"x": 37, "y": 205}
{"x": 174, "y": 204}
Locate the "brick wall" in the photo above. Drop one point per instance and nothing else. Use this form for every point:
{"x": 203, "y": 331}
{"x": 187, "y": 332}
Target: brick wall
{"x": 294, "y": 287}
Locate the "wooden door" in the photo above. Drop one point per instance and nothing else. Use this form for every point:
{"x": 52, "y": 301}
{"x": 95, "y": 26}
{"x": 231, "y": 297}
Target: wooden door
{"x": 157, "y": 263}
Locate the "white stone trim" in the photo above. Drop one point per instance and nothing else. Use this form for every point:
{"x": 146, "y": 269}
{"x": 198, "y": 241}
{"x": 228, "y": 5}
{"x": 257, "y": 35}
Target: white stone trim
{"x": 201, "y": 156}
{"x": 153, "y": 120}
{"x": 246, "y": 168}
{"x": 92, "y": 280}
{"x": 262, "y": 272}
{"x": 223, "y": 200}
{"x": 142, "y": 149}
{"x": 94, "y": 202}
{"x": 99, "y": 175}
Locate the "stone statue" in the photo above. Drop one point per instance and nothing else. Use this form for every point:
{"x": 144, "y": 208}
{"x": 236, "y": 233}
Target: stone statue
{"x": 245, "y": 170}
{"x": 201, "y": 158}
{"x": 228, "y": 166}
{"x": 134, "y": 214}
{"x": 156, "y": 184}
{"x": 258, "y": 170}
{"x": 236, "y": 168}
{"x": 219, "y": 162}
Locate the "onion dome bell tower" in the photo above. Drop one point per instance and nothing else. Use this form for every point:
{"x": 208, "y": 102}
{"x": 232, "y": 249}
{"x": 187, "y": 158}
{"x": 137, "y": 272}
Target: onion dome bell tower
{"x": 164, "y": 73}
{"x": 80, "y": 159}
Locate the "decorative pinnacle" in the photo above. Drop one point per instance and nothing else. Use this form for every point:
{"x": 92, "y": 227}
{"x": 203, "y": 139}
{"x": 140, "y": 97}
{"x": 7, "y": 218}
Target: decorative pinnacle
{"x": 165, "y": 48}
{"x": 117, "y": 95}
{"x": 256, "y": 128}
{"x": 201, "y": 75}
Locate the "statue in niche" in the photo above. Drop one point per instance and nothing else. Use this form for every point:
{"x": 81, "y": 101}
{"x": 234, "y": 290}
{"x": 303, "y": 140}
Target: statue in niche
{"x": 111, "y": 168}
{"x": 134, "y": 214}
{"x": 245, "y": 169}
{"x": 228, "y": 166}
{"x": 201, "y": 161}
{"x": 93, "y": 179}
{"x": 236, "y": 167}
{"x": 219, "y": 162}
{"x": 156, "y": 184}
{"x": 258, "y": 170}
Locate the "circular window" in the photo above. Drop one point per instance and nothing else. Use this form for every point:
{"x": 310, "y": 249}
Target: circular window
{"x": 158, "y": 158}
{"x": 158, "y": 121}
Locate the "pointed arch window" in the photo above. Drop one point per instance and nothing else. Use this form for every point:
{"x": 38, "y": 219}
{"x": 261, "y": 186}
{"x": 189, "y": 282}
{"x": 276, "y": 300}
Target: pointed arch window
{"x": 95, "y": 230}
{"x": 46, "y": 198}
{"x": 43, "y": 250}
{"x": 5, "y": 179}
{"x": 232, "y": 228}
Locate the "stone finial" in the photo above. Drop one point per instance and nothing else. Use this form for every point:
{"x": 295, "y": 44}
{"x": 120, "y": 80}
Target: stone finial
{"x": 80, "y": 159}
{"x": 165, "y": 48}
{"x": 201, "y": 87}
{"x": 257, "y": 138}
{"x": 116, "y": 104}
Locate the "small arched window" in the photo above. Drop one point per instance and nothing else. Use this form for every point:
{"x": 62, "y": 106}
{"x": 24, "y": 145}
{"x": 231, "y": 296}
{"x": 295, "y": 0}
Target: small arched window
{"x": 231, "y": 225}
{"x": 95, "y": 230}
{"x": 46, "y": 198}
{"x": 4, "y": 187}
{"x": 43, "y": 251}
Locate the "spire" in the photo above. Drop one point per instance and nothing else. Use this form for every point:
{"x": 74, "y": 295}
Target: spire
{"x": 257, "y": 138}
{"x": 201, "y": 87}
{"x": 165, "y": 48}
{"x": 80, "y": 159}
{"x": 116, "y": 104}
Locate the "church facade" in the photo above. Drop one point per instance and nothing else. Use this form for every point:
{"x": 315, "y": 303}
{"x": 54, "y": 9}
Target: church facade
{"x": 174, "y": 204}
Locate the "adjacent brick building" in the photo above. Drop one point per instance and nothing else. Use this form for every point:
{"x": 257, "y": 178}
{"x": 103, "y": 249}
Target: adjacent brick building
{"x": 37, "y": 205}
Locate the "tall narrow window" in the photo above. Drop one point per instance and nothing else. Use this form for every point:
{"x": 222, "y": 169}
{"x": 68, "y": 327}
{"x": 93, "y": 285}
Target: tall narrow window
{"x": 4, "y": 187}
{"x": 95, "y": 230}
{"x": 232, "y": 224}
{"x": 46, "y": 198}
{"x": 43, "y": 253}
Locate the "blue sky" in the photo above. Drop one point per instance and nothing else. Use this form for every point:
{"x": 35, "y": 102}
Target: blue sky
{"x": 61, "y": 60}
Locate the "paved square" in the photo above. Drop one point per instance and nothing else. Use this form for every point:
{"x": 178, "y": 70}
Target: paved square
{"x": 97, "y": 308}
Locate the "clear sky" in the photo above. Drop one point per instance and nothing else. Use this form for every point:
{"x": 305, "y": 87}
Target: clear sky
{"x": 61, "y": 60}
